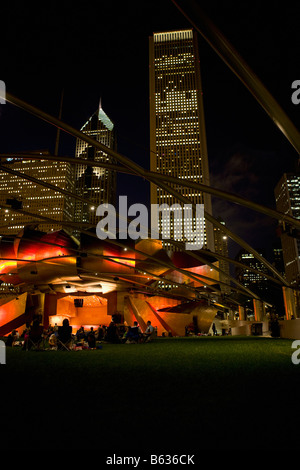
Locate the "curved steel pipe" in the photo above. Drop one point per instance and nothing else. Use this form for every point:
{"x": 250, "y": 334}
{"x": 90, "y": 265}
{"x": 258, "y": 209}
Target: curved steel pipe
{"x": 166, "y": 178}
{"x": 240, "y": 68}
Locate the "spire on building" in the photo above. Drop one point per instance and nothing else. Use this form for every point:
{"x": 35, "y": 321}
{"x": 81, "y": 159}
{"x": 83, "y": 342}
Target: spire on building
{"x": 104, "y": 118}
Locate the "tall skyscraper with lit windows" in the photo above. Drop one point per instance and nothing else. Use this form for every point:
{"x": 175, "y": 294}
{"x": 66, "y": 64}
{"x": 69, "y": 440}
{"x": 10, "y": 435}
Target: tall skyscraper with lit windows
{"x": 287, "y": 195}
{"x": 35, "y": 198}
{"x": 95, "y": 184}
{"x": 221, "y": 247}
{"x": 177, "y": 127}
{"x": 247, "y": 277}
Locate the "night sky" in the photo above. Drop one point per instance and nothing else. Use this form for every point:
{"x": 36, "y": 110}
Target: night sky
{"x": 95, "y": 52}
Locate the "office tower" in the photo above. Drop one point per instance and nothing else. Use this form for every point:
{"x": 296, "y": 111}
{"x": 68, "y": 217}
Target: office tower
{"x": 287, "y": 195}
{"x": 255, "y": 281}
{"x": 277, "y": 257}
{"x": 95, "y": 184}
{"x": 177, "y": 127}
{"x": 221, "y": 247}
{"x": 34, "y": 198}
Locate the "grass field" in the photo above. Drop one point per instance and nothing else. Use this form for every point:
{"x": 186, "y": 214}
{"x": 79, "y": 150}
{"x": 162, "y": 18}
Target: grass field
{"x": 187, "y": 393}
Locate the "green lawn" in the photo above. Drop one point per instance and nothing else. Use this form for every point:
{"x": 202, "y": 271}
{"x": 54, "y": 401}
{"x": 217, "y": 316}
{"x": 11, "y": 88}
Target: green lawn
{"x": 181, "y": 393}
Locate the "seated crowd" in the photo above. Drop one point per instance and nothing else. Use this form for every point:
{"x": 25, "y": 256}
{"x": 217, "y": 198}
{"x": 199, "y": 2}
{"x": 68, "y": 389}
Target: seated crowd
{"x": 60, "y": 337}
{"x": 129, "y": 334}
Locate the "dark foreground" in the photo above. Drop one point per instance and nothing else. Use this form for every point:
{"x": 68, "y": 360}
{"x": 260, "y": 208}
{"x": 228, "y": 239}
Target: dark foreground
{"x": 173, "y": 394}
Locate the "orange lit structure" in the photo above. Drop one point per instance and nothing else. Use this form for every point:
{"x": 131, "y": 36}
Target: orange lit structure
{"x": 53, "y": 277}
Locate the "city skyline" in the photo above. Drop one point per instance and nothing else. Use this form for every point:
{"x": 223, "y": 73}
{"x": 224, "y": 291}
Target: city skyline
{"x": 222, "y": 337}
{"x": 243, "y": 143}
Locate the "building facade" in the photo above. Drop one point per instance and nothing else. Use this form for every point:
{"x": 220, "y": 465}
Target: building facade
{"x": 253, "y": 280}
{"x": 177, "y": 127}
{"x": 221, "y": 247}
{"x": 287, "y": 195}
{"x": 34, "y": 198}
{"x": 98, "y": 185}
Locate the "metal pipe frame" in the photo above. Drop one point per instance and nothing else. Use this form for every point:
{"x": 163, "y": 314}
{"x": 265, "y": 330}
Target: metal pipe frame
{"x": 181, "y": 247}
{"x": 193, "y": 276}
{"x": 47, "y": 219}
{"x": 166, "y": 178}
{"x": 240, "y": 68}
{"x": 75, "y": 196}
{"x": 79, "y": 252}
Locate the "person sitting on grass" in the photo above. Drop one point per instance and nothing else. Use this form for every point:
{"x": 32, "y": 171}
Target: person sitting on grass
{"x": 52, "y": 341}
{"x": 112, "y": 334}
{"x": 91, "y": 338}
{"x": 99, "y": 334}
{"x": 65, "y": 333}
{"x": 35, "y": 335}
{"x": 133, "y": 334}
{"x": 12, "y": 338}
{"x": 149, "y": 331}
{"x": 80, "y": 334}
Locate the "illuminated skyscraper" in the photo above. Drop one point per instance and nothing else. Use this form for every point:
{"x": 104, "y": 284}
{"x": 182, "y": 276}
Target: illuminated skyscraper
{"x": 35, "y": 198}
{"x": 221, "y": 247}
{"x": 287, "y": 195}
{"x": 247, "y": 277}
{"x": 177, "y": 127}
{"x": 95, "y": 184}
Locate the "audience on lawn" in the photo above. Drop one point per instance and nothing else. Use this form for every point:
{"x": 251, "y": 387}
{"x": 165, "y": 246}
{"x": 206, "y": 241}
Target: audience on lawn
{"x": 114, "y": 333}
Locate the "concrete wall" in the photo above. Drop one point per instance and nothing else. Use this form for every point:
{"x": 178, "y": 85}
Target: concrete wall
{"x": 243, "y": 327}
{"x": 77, "y": 316}
{"x": 290, "y": 329}
{"x": 91, "y": 316}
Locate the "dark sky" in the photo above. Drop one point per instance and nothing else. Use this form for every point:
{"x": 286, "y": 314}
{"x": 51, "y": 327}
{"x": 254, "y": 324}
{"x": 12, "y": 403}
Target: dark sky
{"x": 101, "y": 51}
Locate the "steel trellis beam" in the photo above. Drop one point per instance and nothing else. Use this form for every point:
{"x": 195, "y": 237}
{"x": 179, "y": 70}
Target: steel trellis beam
{"x": 60, "y": 190}
{"x": 180, "y": 245}
{"x": 240, "y": 68}
{"x": 197, "y": 277}
{"x": 56, "y": 188}
{"x": 78, "y": 252}
{"x": 167, "y": 179}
